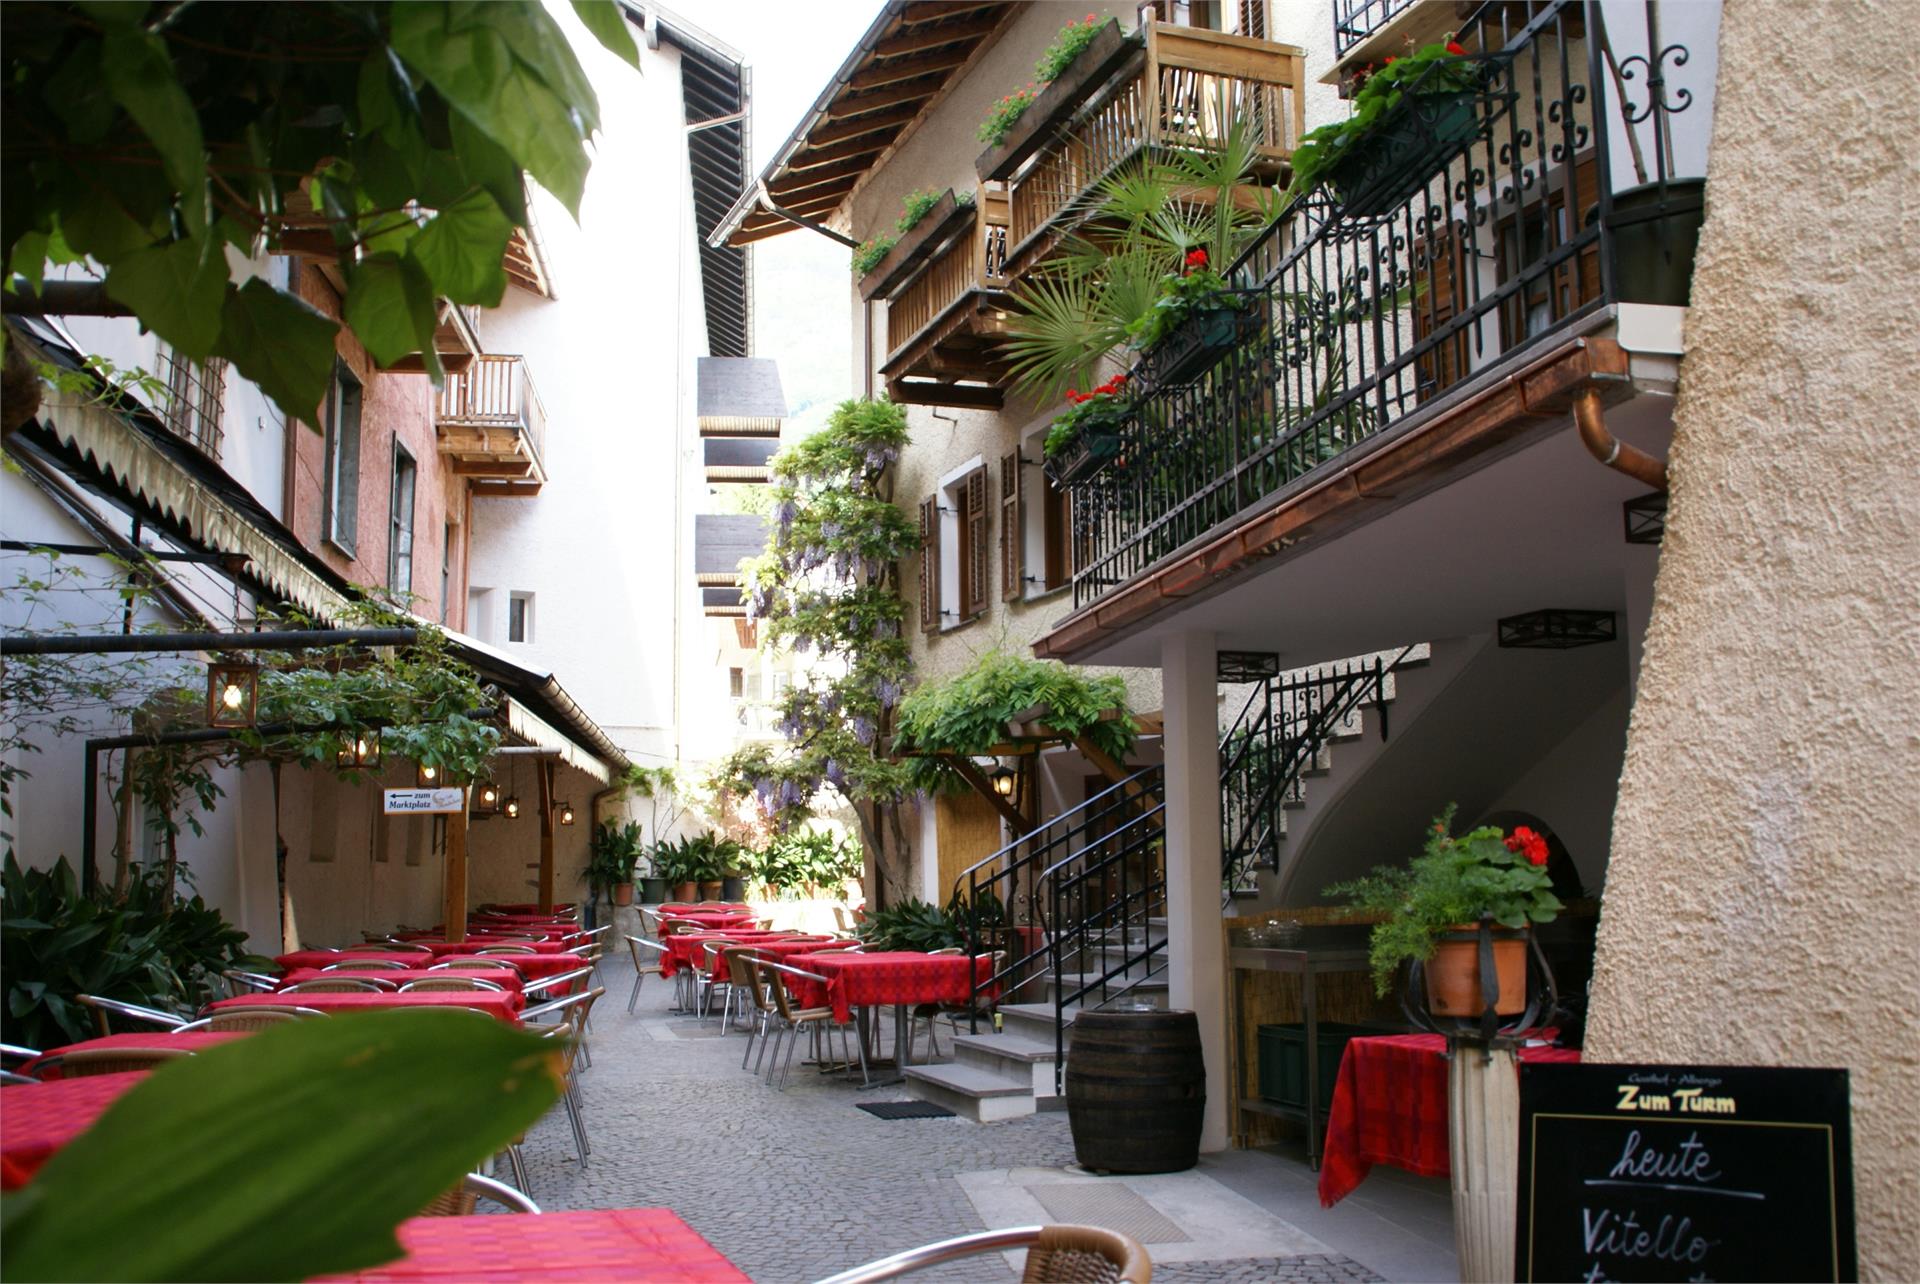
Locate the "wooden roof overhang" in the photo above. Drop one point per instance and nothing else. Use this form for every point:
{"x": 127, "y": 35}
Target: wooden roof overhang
{"x": 911, "y": 55}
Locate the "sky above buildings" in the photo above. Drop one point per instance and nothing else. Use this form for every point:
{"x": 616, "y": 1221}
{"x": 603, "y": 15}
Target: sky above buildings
{"x": 801, "y": 279}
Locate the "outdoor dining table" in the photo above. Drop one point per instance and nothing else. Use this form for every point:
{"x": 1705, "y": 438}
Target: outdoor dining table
{"x": 1390, "y": 1107}
{"x": 645, "y": 1244}
{"x": 710, "y": 918}
{"x": 682, "y": 948}
{"x": 528, "y": 907}
{"x": 504, "y": 1004}
{"x": 435, "y": 941}
{"x": 46, "y": 1066}
{"x": 888, "y": 978}
{"x": 778, "y": 946}
{"x": 37, "y": 1119}
{"x": 533, "y": 967}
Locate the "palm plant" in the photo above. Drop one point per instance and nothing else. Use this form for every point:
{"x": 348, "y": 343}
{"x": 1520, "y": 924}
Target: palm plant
{"x": 1137, "y": 226}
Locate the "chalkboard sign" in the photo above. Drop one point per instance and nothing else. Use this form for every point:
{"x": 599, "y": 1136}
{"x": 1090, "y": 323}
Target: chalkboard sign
{"x": 1631, "y": 1172}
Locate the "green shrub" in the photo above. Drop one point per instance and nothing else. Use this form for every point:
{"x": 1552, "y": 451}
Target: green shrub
{"x": 914, "y": 207}
{"x": 913, "y": 924}
{"x": 1004, "y": 115}
{"x": 1067, "y": 46}
{"x": 867, "y": 256}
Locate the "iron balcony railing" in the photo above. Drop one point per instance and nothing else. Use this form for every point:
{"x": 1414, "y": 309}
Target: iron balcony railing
{"x": 1355, "y": 20}
{"x": 1493, "y": 232}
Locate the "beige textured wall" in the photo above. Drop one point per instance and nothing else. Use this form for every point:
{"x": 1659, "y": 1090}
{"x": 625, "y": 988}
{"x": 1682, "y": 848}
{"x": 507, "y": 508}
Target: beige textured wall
{"x": 1761, "y": 897}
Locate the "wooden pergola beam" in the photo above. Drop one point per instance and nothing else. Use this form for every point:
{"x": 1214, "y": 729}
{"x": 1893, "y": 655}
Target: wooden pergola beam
{"x": 546, "y": 835}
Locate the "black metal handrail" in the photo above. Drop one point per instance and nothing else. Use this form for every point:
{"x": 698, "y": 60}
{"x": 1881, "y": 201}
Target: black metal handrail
{"x": 1355, "y": 20}
{"x": 1100, "y": 897}
{"x": 1365, "y": 315}
{"x": 1279, "y": 732}
{"x": 1005, "y": 899}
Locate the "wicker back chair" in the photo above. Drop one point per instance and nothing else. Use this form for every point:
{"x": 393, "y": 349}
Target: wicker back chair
{"x": 386, "y": 947}
{"x": 256, "y": 1017}
{"x": 644, "y": 965}
{"x": 447, "y": 983}
{"x": 134, "y": 1012}
{"x": 1063, "y": 1254}
{"x": 460, "y": 1201}
{"x": 82, "y": 1062}
{"x": 794, "y": 1017}
{"x": 340, "y": 985}
{"x": 506, "y": 949}
{"x": 366, "y": 965}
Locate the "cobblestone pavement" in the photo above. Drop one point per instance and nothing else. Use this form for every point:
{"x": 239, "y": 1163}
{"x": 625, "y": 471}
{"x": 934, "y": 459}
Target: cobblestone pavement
{"x": 794, "y": 1185}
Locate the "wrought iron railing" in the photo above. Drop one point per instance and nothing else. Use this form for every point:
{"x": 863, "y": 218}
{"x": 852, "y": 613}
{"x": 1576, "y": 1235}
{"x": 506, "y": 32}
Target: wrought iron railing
{"x": 193, "y": 407}
{"x": 1281, "y": 731}
{"x": 1361, "y": 312}
{"x": 1355, "y": 20}
{"x": 1015, "y": 911}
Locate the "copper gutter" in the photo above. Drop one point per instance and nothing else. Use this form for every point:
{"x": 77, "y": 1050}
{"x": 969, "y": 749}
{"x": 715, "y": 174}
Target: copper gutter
{"x": 1591, "y": 419}
{"x": 1443, "y": 447}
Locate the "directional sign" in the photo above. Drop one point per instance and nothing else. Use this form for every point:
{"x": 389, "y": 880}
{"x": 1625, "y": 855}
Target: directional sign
{"x": 401, "y": 802}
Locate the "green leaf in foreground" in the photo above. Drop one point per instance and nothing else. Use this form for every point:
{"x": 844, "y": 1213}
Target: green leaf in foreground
{"x": 282, "y": 343}
{"x": 609, "y": 26}
{"x": 289, "y": 1153}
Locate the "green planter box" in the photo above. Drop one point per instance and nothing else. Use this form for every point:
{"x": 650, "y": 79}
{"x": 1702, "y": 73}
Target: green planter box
{"x": 1283, "y": 1061}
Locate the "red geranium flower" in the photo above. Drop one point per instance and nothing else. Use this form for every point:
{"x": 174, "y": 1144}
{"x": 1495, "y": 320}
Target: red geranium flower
{"x": 1529, "y": 844}
{"x": 1196, "y": 258}
{"x": 1453, "y": 47}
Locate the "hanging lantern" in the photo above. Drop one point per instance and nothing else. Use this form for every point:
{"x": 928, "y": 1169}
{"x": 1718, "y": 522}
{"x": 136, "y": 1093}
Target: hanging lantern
{"x": 427, "y": 775}
{"x": 486, "y": 798}
{"x": 233, "y": 693}
{"x": 566, "y": 813}
{"x": 1003, "y": 779}
{"x": 511, "y": 808}
{"x": 358, "y": 749}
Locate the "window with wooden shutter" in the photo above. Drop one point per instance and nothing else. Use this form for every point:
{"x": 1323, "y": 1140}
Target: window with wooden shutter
{"x": 977, "y": 555}
{"x": 1013, "y": 528}
{"x": 1059, "y": 529}
{"x": 930, "y": 564}
{"x": 1253, "y": 18}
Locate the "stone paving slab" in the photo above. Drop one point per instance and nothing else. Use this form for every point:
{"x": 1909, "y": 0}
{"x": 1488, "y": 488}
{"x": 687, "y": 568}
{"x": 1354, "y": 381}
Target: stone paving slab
{"x": 796, "y": 1185}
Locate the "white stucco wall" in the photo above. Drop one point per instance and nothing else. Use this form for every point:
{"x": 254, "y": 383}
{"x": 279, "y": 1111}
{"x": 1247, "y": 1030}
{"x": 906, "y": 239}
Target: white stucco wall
{"x": 1760, "y": 901}
{"x": 602, "y": 545}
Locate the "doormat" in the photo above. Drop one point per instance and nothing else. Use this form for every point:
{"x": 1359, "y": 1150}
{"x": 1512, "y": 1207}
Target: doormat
{"x": 905, "y": 1110}
{"x": 1110, "y": 1205}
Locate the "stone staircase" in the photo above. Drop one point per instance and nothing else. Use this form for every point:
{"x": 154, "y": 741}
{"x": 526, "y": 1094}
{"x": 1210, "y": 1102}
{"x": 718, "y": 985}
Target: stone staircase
{"x": 1012, "y": 1071}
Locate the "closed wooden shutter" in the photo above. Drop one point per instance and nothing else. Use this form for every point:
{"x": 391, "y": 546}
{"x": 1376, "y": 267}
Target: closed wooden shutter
{"x": 1013, "y": 528}
{"x": 979, "y": 558}
{"x": 1439, "y": 286}
{"x": 1253, "y": 18}
{"x": 1059, "y": 527}
{"x": 930, "y": 564}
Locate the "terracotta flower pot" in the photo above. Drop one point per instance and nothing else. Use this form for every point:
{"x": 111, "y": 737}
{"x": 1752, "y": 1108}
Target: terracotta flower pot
{"x": 1453, "y": 973}
{"x": 710, "y": 891}
{"x": 623, "y": 893}
{"x": 686, "y": 893}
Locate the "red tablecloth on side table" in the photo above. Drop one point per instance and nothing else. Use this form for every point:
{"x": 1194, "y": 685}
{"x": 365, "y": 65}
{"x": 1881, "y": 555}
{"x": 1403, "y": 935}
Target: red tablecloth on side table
{"x": 1390, "y": 1107}
{"x": 711, "y": 918}
{"x": 885, "y": 979}
{"x": 642, "y": 1244}
{"x": 504, "y": 977}
{"x": 46, "y": 1066}
{"x": 532, "y": 966}
{"x": 37, "y": 1119}
{"x": 505, "y": 1005}
{"x": 682, "y": 948}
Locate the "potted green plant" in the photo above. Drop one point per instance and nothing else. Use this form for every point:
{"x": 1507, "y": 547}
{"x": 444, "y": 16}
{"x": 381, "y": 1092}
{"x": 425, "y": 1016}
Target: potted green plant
{"x": 1432, "y": 904}
{"x": 1081, "y": 440}
{"x": 675, "y": 863}
{"x": 736, "y": 863}
{"x": 613, "y": 852}
{"x": 654, "y": 886}
{"x": 1196, "y": 320}
{"x": 1410, "y": 116}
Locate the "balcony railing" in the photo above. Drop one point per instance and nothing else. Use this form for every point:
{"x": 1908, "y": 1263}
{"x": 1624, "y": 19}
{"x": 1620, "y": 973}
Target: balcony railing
{"x": 938, "y": 323}
{"x": 1183, "y": 88}
{"x": 491, "y": 422}
{"x": 1355, "y": 20}
{"x": 1357, "y": 319}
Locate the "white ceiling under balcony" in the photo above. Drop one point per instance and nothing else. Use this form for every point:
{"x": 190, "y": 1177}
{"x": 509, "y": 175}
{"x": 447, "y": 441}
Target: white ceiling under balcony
{"x": 1540, "y": 526}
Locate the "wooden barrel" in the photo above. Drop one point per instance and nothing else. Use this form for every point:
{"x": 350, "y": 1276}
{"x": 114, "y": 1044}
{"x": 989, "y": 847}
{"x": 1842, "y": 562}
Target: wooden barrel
{"x": 1136, "y": 1090}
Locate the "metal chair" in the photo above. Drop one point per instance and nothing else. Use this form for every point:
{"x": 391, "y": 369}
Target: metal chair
{"x": 254, "y": 1017}
{"x": 440, "y": 984}
{"x": 367, "y": 965}
{"x": 772, "y": 973}
{"x": 460, "y": 1201}
{"x": 641, "y": 968}
{"x": 130, "y": 1011}
{"x": 15, "y": 1052}
{"x": 546, "y": 983}
{"x": 340, "y": 985}
{"x": 84, "y": 1062}
{"x": 237, "y": 982}
{"x": 1064, "y": 1254}
{"x": 491, "y": 950}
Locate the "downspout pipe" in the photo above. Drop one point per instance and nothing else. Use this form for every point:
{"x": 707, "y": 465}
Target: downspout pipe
{"x": 1591, "y": 419}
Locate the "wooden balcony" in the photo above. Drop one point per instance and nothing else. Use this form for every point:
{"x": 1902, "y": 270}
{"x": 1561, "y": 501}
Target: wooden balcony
{"x": 492, "y": 427}
{"x": 946, "y": 292}
{"x": 1166, "y": 87}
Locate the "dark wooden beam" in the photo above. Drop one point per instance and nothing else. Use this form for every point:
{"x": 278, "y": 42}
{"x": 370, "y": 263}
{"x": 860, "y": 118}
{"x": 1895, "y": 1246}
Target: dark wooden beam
{"x": 874, "y": 76}
{"x": 814, "y": 157}
{"x": 943, "y": 394}
{"x": 915, "y": 38}
{"x": 929, "y": 10}
{"x": 912, "y": 92}
{"x": 984, "y": 787}
{"x": 858, "y": 125}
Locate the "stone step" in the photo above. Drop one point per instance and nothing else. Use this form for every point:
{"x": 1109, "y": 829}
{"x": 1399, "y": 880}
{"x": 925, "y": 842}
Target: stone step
{"x": 1013, "y": 1056}
{"x": 972, "y": 1092}
{"x": 1029, "y": 1020}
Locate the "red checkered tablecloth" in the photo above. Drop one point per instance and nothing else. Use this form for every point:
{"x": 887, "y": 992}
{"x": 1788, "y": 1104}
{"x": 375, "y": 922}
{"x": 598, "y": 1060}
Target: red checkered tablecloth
{"x": 1390, "y": 1107}
{"x": 505, "y": 1005}
{"x": 712, "y": 920}
{"x": 505, "y": 977}
{"x": 643, "y": 1244}
{"x": 37, "y": 1119}
{"x": 682, "y": 948}
{"x": 533, "y": 967}
{"x": 46, "y": 1066}
{"x": 885, "y": 979}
